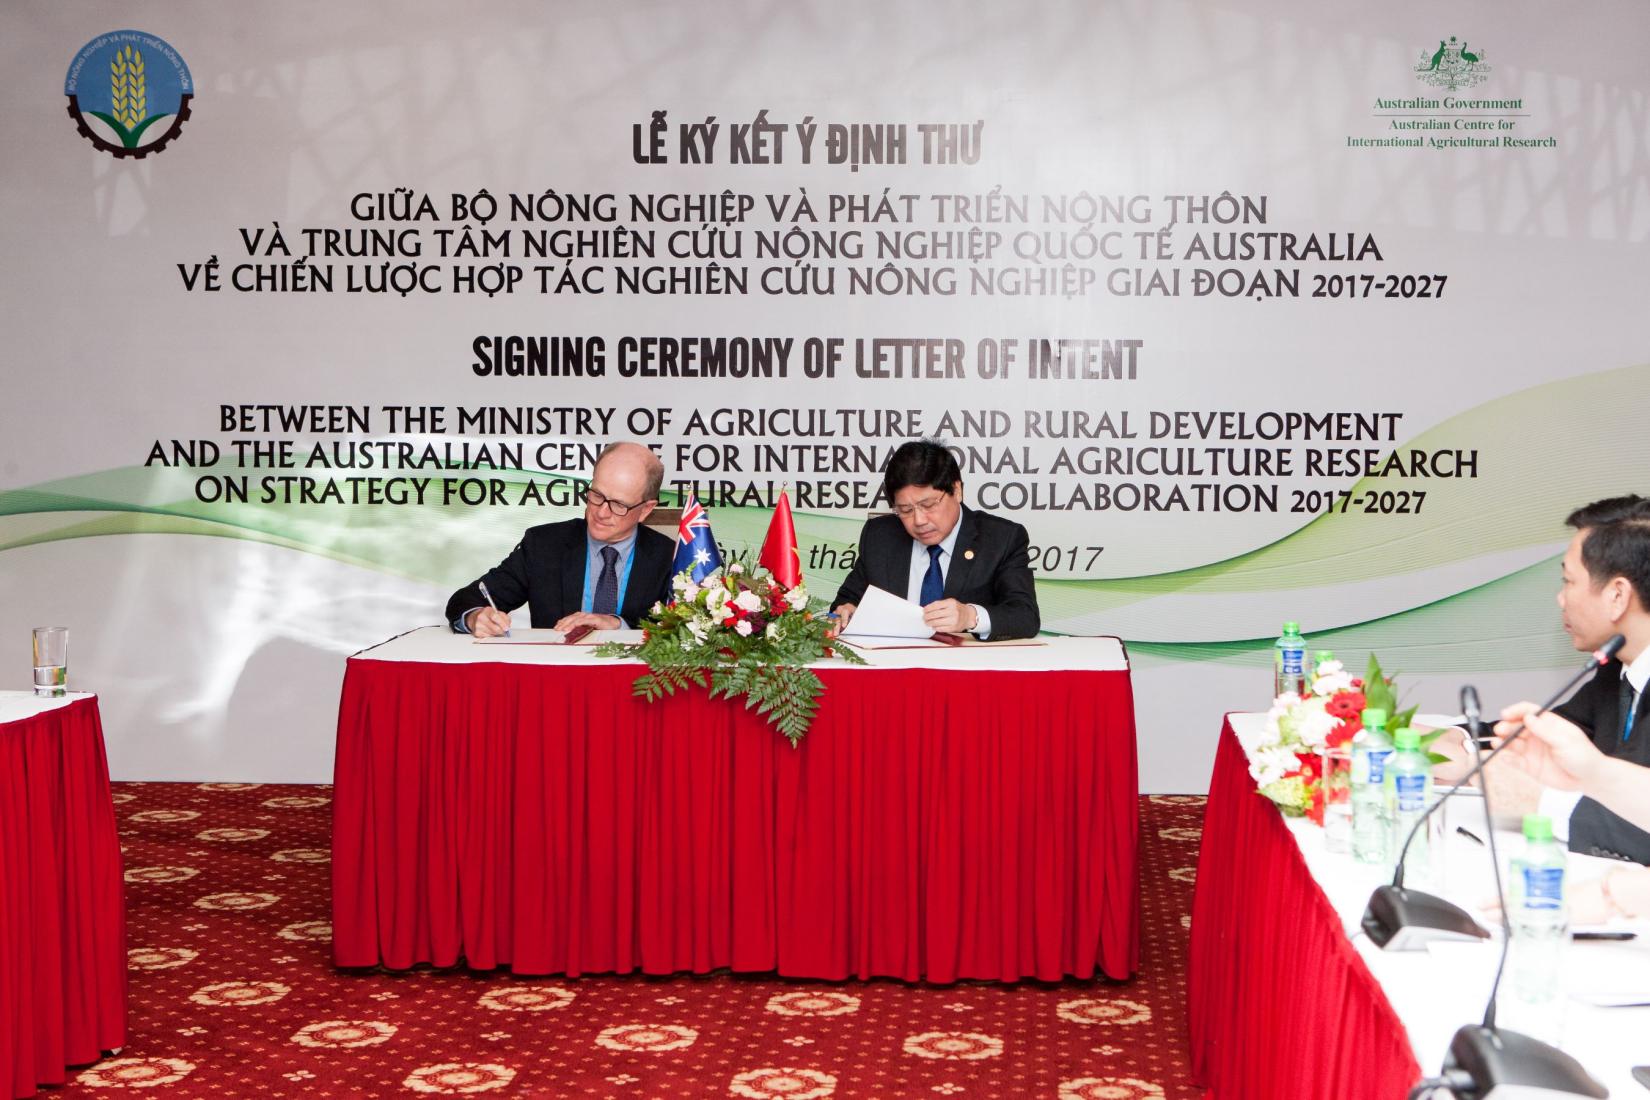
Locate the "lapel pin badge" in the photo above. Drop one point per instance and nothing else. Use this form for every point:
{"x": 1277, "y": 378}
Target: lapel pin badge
{"x": 968, "y": 555}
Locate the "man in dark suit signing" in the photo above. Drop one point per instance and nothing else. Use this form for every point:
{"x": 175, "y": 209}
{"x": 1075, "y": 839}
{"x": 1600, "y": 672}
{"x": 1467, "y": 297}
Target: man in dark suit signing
{"x": 603, "y": 571}
{"x": 969, "y": 570}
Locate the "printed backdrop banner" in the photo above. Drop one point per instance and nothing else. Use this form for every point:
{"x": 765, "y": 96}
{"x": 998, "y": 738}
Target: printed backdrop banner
{"x": 1248, "y": 312}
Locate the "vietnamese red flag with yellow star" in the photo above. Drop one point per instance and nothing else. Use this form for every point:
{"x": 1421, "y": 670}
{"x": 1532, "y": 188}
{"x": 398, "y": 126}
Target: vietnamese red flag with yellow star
{"x": 779, "y": 555}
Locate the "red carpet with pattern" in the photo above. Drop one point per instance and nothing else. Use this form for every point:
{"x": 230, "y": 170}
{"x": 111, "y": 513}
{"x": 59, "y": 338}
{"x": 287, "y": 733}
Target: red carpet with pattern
{"x": 233, "y": 994}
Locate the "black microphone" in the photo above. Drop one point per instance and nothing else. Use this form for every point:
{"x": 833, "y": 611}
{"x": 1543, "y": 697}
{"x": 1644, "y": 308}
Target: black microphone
{"x": 1482, "y": 1060}
{"x": 1407, "y": 920}
{"x": 1474, "y": 712}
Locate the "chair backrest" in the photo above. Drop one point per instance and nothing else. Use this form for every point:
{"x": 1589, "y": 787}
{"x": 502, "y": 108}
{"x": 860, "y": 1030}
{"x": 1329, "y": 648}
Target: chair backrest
{"x": 664, "y": 521}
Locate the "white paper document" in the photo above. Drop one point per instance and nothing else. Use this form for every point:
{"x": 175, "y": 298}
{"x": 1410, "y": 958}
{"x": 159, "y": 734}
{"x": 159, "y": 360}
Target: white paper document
{"x": 527, "y": 636}
{"x": 546, "y": 636}
{"x": 882, "y": 616}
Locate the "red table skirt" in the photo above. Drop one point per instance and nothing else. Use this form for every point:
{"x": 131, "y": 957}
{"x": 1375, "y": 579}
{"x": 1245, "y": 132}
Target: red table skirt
{"x": 62, "y": 920}
{"x": 933, "y": 825}
{"x": 1278, "y": 1002}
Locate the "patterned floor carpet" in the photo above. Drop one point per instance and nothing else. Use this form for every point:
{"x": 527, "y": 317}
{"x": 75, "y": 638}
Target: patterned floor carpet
{"x": 232, "y": 994}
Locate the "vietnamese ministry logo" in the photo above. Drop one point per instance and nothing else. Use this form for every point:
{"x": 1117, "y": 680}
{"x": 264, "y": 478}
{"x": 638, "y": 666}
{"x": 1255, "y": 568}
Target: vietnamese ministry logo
{"x": 129, "y": 93}
{"x": 1452, "y": 66}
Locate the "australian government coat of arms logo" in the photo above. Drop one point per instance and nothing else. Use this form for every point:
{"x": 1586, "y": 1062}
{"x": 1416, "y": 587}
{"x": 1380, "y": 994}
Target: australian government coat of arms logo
{"x": 129, "y": 93}
{"x": 1452, "y": 66}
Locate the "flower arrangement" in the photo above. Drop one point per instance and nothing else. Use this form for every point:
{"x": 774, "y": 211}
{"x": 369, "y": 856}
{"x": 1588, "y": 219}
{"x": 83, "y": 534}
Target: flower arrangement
{"x": 737, "y": 632}
{"x": 1285, "y": 756}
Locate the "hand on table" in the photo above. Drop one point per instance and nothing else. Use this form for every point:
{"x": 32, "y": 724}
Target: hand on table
{"x": 585, "y": 618}
{"x": 488, "y": 622}
{"x": 1453, "y": 745}
{"x": 949, "y": 616}
{"x": 1512, "y": 792}
{"x": 1586, "y": 903}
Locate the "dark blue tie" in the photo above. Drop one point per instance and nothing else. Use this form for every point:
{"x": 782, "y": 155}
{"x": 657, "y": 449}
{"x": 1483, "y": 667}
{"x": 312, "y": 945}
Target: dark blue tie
{"x": 1629, "y": 697}
{"x": 933, "y": 584}
{"x": 606, "y": 601}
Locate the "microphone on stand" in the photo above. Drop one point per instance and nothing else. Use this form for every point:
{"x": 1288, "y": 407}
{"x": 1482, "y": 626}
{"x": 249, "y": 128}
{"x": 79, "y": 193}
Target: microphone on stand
{"x": 1483, "y": 1062}
{"x": 1397, "y": 919}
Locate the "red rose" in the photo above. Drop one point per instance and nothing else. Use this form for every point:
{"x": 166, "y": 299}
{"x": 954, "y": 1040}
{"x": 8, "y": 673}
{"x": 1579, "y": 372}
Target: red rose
{"x": 1314, "y": 812}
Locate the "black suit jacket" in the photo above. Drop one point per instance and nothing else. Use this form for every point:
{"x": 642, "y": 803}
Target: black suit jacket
{"x": 997, "y": 575}
{"x": 546, "y": 572}
{"x": 1596, "y": 708}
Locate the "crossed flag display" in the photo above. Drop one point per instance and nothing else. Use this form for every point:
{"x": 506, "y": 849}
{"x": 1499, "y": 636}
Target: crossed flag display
{"x": 696, "y": 550}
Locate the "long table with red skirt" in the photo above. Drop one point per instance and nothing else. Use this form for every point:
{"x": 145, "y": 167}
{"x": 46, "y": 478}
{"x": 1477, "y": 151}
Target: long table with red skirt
{"x": 62, "y": 917}
{"x": 1279, "y": 1002}
{"x": 952, "y": 814}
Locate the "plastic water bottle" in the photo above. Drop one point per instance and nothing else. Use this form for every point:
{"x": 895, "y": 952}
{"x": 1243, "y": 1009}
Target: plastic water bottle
{"x": 1408, "y": 793}
{"x": 1289, "y": 662}
{"x": 1536, "y": 908}
{"x": 1370, "y": 824}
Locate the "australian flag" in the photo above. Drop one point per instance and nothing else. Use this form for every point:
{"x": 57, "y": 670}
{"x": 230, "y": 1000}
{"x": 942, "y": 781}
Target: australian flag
{"x": 696, "y": 552}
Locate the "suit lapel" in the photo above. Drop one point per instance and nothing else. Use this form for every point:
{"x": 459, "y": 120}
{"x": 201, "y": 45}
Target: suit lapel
{"x": 1637, "y": 749}
{"x": 962, "y": 556}
{"x": 573, "y": 558}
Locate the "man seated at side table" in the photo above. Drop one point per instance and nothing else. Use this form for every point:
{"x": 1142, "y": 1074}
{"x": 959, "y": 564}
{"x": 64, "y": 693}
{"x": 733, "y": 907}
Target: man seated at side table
{"x": 602, "y": 571}
{"x": 1605, "y": 591}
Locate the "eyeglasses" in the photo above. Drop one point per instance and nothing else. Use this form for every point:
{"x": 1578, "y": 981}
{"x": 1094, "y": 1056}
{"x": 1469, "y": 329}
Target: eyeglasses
{"x": 905, "y": 511}
{"x": 600, "y": 500}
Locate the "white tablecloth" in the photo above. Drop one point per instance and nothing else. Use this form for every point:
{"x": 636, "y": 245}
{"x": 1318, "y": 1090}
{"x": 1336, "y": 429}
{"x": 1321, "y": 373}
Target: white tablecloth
{"x": 18, "y": 705}
{"x": 439, "y": 645}
{"x": 1434, "y": 992}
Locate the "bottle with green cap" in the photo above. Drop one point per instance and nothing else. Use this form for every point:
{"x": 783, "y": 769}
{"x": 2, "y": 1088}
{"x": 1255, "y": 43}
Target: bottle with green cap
{"x": 1369, "y": 821}
{"x": 1289, "y": 661}
{"x": 1408, "y": 793}
{"x": 1536, "y": 909}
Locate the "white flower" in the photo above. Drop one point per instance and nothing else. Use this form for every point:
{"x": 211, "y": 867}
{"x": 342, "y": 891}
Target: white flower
{"x": 736, "y": 568}
{"x": 1270, "y": 765}
{"x": 658, "y": 606}
{"x": 690, "y": 591}
{"x": 721, "y": 614}
{"x": 797, "y": 598}
{"x": 742, "y": 628}
{"x": 1314, "y": 724}
{"x": 748, "y": 601}
{"x": 715, "y": 596}
{"x": 771, "y": 632}
{"x": 1331, "y": 677}
{"x": 698, "y": 628}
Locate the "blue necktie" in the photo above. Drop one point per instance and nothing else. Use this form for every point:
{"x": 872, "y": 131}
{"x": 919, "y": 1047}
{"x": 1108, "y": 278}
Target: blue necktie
{"x": 606, "y": 600}
{"x": 1629, "y": 706}
{"x": 933, "y": 583}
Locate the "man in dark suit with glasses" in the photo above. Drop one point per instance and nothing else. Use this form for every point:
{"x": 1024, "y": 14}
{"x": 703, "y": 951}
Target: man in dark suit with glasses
{"x": 602, "y": 571}
{"x": 970, "y": 571}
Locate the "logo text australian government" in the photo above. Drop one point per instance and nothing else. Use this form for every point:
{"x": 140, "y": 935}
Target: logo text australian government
{"x": 129, "y": 93}
{"x": 1448, "y": 113}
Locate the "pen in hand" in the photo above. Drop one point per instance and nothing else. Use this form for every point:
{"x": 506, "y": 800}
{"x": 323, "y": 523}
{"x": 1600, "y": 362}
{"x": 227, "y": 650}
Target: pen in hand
{"x": 488, "y": 596}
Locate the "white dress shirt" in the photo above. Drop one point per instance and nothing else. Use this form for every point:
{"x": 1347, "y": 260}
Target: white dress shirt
{"x": 1559, "y": 805}
{"x": 919, "y": 569}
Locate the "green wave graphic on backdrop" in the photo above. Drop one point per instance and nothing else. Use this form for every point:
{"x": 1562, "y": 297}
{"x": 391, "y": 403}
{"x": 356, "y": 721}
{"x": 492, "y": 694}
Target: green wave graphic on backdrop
{"x": 1541, "y": 451}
